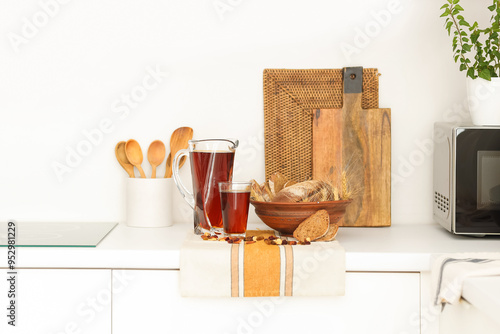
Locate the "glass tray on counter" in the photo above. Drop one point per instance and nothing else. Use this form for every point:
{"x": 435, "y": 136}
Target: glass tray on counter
{"x": 51, "y": 234}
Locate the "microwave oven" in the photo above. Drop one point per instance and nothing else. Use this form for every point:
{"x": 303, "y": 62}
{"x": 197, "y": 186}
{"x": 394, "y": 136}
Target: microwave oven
{"x": 467, "y": 178}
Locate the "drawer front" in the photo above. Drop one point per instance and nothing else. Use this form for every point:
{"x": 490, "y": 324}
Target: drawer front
{"x": 374, "y": 303}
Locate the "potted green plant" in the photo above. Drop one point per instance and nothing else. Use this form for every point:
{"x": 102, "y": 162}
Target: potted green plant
{"x": 478, "y": 52}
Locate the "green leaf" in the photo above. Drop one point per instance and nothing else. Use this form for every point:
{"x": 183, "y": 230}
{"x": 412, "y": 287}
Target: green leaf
{"x": 464, "y": 23}
{"x": 456, "y": 58}
{"x": 473, "y": 37}
{"x": 446, "y": 12}
{"x": 470, "y": 72}
{"x": 448, "y": 26}
{"x": 466, "y": 47}
{"x": 458, "y": 7}
{"x": 463, "y": 67}
{"x": 465, "y": 39}
{"x": 491, "y": 8}
{"x": 485, "y": 74}
{"x": 444, "y": 6}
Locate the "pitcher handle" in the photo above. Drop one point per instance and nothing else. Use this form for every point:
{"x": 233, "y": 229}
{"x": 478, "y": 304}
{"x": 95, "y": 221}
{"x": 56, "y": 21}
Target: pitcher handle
{"x": 186, "y": 194}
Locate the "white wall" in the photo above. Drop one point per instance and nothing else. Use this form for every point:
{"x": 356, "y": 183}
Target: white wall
{"x": 64, "y": 77}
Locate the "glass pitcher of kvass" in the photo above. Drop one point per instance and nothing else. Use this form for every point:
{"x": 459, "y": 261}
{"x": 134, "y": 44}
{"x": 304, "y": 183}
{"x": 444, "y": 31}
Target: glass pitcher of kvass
{"x": 211, "y": 162}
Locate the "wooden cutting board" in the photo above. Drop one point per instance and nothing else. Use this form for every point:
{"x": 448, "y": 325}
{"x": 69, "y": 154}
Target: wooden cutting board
{"x": 357, "y": 141}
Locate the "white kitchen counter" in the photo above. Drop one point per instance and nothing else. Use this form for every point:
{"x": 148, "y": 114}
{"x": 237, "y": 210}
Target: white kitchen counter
{"x": 405, "y": 248}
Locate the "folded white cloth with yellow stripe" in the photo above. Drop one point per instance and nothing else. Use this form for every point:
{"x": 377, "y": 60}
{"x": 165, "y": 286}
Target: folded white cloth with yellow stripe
{"x": 450, "y": 270}
{"x": 220, "y": 269}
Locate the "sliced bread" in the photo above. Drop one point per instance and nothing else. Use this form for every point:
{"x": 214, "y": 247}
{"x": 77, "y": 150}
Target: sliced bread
{"x": 314, "y": 227}
{"x": 330, "y": 235}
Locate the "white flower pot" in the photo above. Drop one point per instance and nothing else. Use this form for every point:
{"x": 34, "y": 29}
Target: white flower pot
{"x": 484, "y": 101}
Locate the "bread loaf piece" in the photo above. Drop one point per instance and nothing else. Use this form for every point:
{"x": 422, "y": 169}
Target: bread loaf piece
{"x": 277, "y": 182}
{"x": 298, "y": 192}
{"x": 314, "y": 227}
{"x": 256, "y": 192}
{"x": 331, "y": 234}
{"x": 267, "y": 194}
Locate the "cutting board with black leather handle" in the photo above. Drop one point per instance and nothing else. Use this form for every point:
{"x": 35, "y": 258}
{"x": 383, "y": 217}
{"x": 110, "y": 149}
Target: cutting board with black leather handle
{"x": 357, "y": 141}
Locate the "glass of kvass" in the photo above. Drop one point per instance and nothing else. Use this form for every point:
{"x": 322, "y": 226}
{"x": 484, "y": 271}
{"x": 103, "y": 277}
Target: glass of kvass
{"x": 235, "y": 201}
{"x": 211, "y": 163}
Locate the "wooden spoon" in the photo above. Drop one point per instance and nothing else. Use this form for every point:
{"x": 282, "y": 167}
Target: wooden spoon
{"x": 121, "y": 156}
{"x": 169, "y": 164}
{"x": 134, "y": 155}
{"x": 178, "y": 141}
{"x": 156, "y": 155}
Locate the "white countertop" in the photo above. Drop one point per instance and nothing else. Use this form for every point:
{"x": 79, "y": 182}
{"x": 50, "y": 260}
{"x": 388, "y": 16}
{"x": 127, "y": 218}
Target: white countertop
{"x": 402, "y": 247}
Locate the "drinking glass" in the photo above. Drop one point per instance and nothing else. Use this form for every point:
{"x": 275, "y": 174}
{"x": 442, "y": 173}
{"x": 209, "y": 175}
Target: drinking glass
{"x": 235, "y": 201}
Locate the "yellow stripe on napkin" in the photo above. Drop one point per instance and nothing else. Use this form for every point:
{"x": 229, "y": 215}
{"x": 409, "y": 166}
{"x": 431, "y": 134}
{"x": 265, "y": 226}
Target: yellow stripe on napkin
{"x": 261, "y": 270}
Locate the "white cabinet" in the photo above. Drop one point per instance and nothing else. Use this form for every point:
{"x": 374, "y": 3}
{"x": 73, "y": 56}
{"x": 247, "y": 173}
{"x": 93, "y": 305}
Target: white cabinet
{"x": 78, "y": 301}
{"x": 149, "y": 302}
{"x": 59, "y": 301}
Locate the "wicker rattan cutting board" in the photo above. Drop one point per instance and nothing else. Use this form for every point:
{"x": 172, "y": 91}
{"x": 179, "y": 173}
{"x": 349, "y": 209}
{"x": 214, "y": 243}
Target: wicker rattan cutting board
{"x": 290, "y": 98}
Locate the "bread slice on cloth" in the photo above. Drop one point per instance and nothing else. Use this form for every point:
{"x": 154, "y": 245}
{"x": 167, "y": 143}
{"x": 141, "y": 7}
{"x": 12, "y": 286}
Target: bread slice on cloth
{"x": 314, "y": 227}
{"x": 330, "y": 235}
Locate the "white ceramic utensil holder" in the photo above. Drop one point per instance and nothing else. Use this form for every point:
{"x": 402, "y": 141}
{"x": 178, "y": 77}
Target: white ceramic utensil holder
{"x": 149, "y": 202}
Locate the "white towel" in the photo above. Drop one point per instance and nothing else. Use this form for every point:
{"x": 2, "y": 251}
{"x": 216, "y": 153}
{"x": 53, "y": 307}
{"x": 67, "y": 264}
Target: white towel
{"x": 450, "y": 270}
{"x": 217, "y": 269}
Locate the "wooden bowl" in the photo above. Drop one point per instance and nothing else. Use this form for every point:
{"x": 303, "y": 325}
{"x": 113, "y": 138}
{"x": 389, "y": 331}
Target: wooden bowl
{"x": 285, "y": 217}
